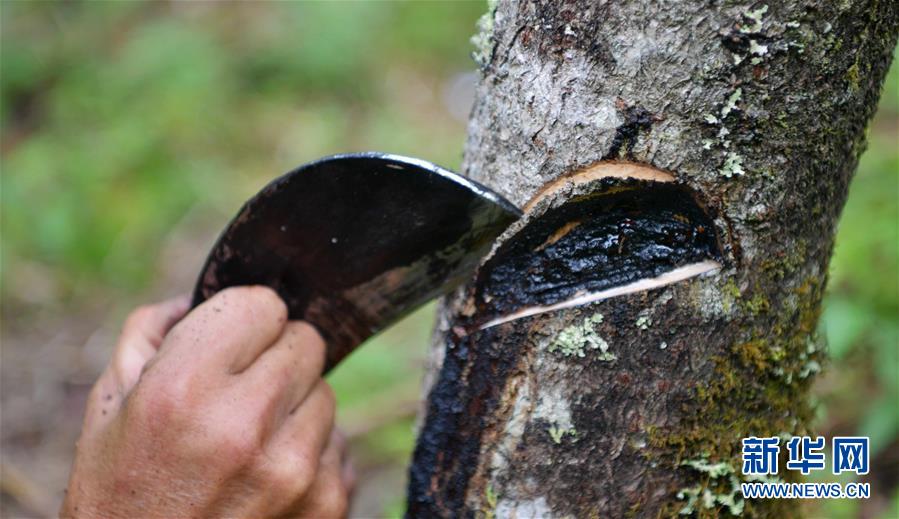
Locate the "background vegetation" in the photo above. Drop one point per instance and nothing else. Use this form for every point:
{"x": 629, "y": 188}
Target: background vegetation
{"x": 131, "y": 132}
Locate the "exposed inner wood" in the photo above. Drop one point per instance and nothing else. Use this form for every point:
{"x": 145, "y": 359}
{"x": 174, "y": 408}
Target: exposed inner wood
{"x": 672, "y": 276}
{"x": 559, "y": 234}
{"x": 601, "y": 170}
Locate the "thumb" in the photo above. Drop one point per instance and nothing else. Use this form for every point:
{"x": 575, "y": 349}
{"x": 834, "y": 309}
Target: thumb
{"x": 141, "y": 337}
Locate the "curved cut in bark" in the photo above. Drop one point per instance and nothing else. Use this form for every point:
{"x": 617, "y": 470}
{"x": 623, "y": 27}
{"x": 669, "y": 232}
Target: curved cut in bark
{"x": 635, "y": 405}
{"x": 592, "y": 239}
{"x": 617, "y": 169}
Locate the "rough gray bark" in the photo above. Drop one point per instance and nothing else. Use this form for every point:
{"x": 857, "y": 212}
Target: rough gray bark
{"x": 760, "y": 109}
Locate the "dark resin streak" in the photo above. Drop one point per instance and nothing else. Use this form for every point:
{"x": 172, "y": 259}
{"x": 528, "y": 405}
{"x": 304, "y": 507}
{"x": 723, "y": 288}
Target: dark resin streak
{"x": 624, "y": 232}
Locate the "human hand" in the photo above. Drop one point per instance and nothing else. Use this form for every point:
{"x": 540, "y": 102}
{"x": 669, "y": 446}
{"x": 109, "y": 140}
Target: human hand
{"x": 223, "y": 414}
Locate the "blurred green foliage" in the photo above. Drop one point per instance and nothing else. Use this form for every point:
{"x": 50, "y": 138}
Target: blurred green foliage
{"x": 118, "y": 118}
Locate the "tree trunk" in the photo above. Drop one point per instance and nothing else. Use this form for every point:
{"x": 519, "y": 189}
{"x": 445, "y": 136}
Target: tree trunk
{"x": 635, "y": 405}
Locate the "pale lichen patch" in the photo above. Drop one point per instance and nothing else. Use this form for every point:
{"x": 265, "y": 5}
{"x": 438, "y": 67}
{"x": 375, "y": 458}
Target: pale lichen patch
{"x": 713, "y": 302}
{"x": 575, "y": 340}
{"x": 731, "y": 103}
{"x": 733, "y": 165}
{"x": 534, "y": 507}
{"x": 705, "y": 495}
{"x": 757, "y": 48}
{"x": 517, "y": 422}
{"x": 557, "y": 433}
{"x": 483, "y": 39}
{"x": 490, "y": 499}
{"x": 643, "y": 321}
{"x": 733, "y": 162}
{"x": 810, "y": 365}
{"x": 755, "y": 18}
{"x": 553, "y": 407}
{"x": 722, "y": 136}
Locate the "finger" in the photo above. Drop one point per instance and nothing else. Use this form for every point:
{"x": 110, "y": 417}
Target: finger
{"x": 139, "y": 341}
{"x": 347, "y": 470}
{"x": 295, "y": 449}
{"x": 142, "y": 334}
{"x": 284, "y": 374}
{"x": 329, "y": 494}
{"x": 303, "y": 435}
{"x": 228, "y": 331}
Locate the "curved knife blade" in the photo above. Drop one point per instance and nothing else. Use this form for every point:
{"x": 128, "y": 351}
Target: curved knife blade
{"x": 354, "y": 242}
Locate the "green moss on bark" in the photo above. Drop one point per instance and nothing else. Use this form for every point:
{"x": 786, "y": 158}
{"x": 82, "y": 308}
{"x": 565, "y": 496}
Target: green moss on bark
{"x": 759, "y": 388}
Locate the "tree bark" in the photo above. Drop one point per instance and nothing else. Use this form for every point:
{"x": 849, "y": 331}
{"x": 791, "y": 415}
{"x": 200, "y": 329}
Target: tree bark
{"x": 759, "y": 111}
